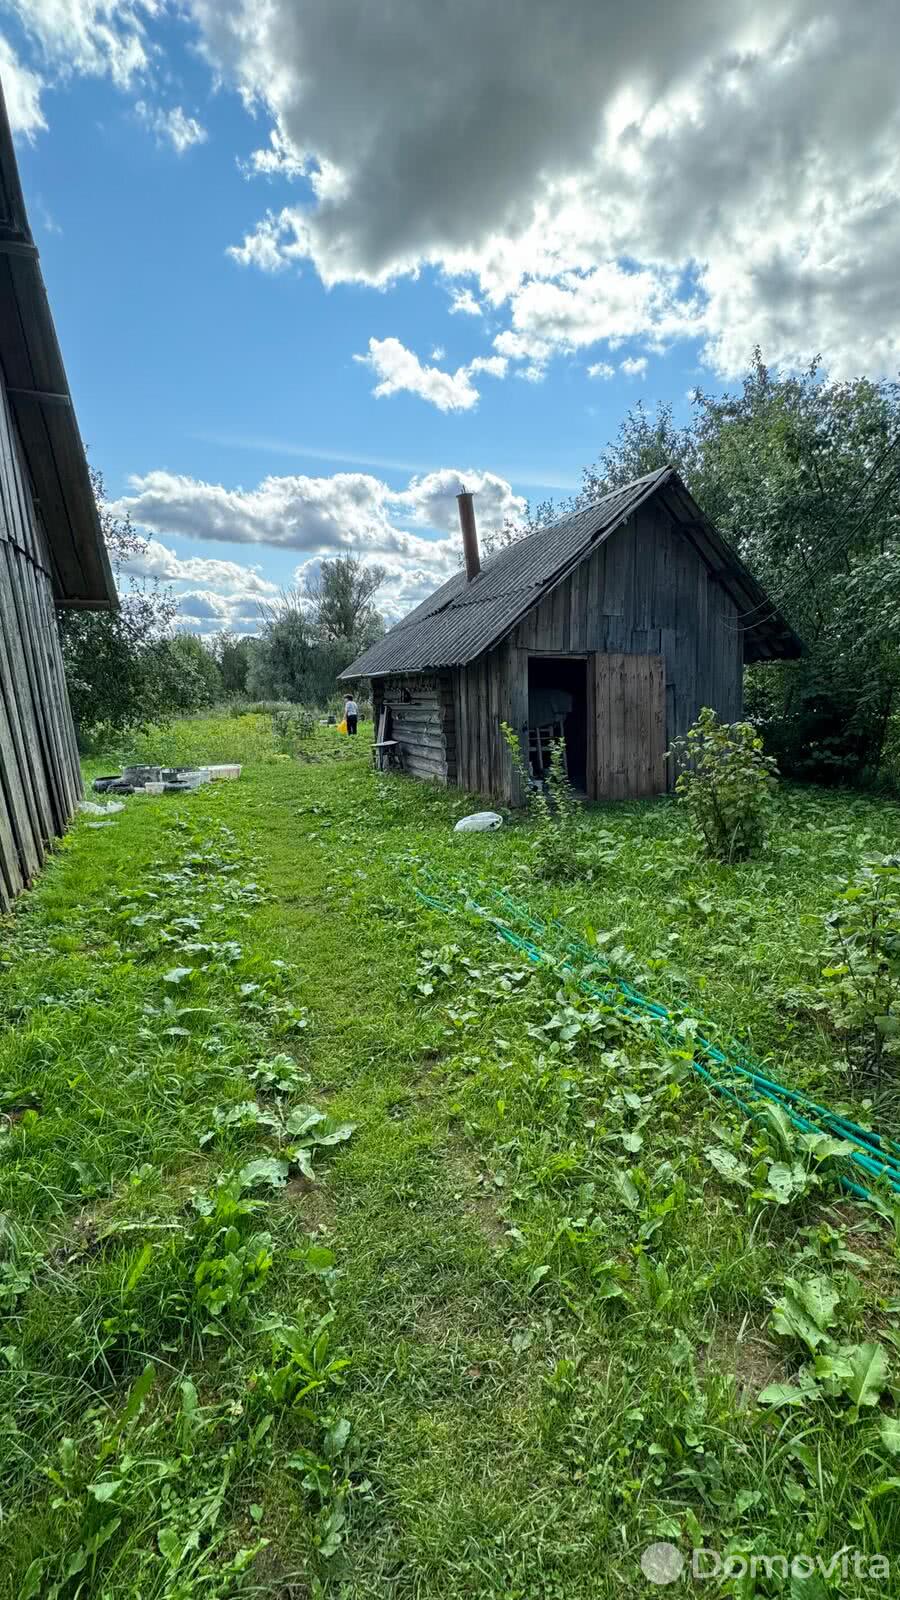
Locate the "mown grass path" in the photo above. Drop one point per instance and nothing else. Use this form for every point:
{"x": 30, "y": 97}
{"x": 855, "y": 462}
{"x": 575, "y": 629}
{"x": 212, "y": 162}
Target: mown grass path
{"x": 514, "y": 1327}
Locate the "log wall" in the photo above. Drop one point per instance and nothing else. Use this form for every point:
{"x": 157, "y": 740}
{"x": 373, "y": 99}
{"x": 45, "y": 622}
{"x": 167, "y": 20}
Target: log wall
{"x": 40, "y": 777}
{"x": 422, "y": 721}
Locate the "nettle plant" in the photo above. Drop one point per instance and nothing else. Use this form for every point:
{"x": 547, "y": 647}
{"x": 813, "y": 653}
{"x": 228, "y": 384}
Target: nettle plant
{"x": 727, "y": 784}
{"x": 553, "y": 806}
{"x": 862, "y": 978}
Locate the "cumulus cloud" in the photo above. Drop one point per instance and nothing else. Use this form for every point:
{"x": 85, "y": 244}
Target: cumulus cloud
{"x": 210, "y": 594}
{"x": 413, "y": 532}
{"x": 601, "y": 369}
{"x": 463, "y": 301}
{"x": 22, "y": 93}
{"x": 398, "y": 369}
{"x": 633, "y": 366}
{"x": 156, "y": 560}
{"x": 93, "y": 37}
{"x": 656, "y": 172}
{"x": 275, "y": 159}
{"x": 172, "y": 124}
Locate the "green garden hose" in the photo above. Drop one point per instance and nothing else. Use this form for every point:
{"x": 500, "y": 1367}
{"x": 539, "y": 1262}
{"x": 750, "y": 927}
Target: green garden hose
{"x": 874, "y": 1154}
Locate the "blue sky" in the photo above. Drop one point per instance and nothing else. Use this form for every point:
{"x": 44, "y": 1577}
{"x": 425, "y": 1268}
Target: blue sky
{"x": 251, "y": 219}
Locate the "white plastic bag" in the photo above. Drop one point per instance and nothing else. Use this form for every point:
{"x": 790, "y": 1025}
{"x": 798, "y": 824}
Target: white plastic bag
{"x": 479, "y": 822}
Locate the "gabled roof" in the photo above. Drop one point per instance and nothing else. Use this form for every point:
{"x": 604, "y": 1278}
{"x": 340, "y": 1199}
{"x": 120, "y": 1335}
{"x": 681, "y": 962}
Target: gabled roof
{"x": 462, "y": 619}
{"x": 42, "y": 406}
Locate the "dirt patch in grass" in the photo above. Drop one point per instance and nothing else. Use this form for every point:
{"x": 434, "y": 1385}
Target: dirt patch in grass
{"x": 475, "y": 1191}
{"x": 313, "y": 1202}
{"x": 742, "y": 1353}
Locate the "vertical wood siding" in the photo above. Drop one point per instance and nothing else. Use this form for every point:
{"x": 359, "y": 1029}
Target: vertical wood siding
{"x": 628, "y": 739}
{"x": 647, "y": 591}
{"x": 40, "y": 779}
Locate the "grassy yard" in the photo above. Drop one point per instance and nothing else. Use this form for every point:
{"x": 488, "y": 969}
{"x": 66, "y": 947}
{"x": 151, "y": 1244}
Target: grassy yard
{"x": 347, "y": 1253}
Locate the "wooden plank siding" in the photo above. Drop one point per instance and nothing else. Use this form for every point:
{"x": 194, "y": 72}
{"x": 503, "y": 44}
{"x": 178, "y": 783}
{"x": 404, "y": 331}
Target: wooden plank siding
{"x": 646, "y": 591}
{"x": 40, "y": 780}
{"x": 629, "y": 708}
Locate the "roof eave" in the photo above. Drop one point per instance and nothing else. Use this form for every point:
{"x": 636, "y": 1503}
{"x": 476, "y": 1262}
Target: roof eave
{"x": 41, "y": 404}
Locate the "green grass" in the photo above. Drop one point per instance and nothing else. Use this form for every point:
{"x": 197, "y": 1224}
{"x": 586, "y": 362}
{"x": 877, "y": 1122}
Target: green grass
{"x": 550, "y": 1316}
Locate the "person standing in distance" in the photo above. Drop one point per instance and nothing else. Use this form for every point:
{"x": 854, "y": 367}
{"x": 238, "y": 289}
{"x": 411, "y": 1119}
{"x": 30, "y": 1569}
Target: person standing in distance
{"x": 351, "y": 712}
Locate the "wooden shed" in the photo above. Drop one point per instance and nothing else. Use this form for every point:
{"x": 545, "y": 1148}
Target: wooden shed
{"x": 613, "y": 627}
{"x": 51, "y": 551}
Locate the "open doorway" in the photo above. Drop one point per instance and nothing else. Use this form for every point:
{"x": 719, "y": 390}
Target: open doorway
{"x": 557, "y": 701}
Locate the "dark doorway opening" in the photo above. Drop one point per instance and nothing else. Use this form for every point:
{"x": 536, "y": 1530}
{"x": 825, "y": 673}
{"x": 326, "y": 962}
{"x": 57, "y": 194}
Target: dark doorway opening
{"x": 557, "y": 696}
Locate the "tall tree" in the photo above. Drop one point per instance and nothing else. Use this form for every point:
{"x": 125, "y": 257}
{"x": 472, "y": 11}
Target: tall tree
{"x": 340, "y": 596}
{"x": 801, "y": 475}
{"x": 232, "y": 655}
{"x": 646, "y": 441}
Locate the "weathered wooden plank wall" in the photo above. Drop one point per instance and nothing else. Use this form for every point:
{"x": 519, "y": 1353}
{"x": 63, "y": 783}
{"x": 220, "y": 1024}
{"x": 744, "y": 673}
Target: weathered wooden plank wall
{"x": 422, "y": 721}
{"x": 629, "y": 709}
{"x": 40, "y": 780}
{"x": 491, "y": 691}
{"x": 647, "y": 591}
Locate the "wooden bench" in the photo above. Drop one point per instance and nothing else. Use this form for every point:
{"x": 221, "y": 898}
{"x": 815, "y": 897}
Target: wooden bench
{"x": 386, "y": 753}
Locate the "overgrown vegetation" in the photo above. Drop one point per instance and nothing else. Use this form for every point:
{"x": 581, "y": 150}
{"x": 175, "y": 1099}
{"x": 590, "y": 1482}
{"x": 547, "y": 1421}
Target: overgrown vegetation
{"x": 347, "y": 1250}
{"x": 862, "y": 978}
{"x": 727, "y": 785}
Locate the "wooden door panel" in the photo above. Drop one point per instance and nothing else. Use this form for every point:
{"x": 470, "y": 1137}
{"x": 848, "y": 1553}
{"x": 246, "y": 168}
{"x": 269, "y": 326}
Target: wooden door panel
{"x": 629, "y": 726}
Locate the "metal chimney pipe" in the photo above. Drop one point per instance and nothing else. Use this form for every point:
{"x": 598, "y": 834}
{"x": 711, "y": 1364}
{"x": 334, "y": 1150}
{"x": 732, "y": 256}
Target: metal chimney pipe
{"x": 469, "y": 534}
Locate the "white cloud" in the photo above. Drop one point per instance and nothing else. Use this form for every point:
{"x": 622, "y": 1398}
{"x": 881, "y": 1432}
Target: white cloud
{"x": 156, "y": 560}
{"x": 322, "y": 516}
{"x": 601, "y": 369}
{"x": 269, "y": 246}
{"x": 666, "y": 171}
{"x": 210, "y": 594}
{"x": 633, "y": 366}
{"x": 22, "y": 92}
{"x": 414, "y": 532}
{"x": 463, "y": 300}
{"x": 91, "y": 37}
{"x": 173, "y": 124}
{"x": 274, "y": 160}
{"x": 399, "y": 370}
{"x": 495, "y": 366}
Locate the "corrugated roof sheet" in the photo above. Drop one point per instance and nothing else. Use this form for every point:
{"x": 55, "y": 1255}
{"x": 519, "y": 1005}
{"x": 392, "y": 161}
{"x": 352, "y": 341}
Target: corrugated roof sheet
{"x": 461, "y": 619}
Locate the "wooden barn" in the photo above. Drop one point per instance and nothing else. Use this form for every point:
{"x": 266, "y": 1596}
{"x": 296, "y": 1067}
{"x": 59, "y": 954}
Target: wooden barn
{"x": 51, "y": 551}
{"x": 613, "y": 627}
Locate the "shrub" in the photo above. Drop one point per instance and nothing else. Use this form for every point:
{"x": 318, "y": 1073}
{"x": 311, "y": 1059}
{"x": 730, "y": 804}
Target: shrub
{"x": 291, "y": 726}
{"x": 728, "y": 785}
{"x": 862, "y": 977}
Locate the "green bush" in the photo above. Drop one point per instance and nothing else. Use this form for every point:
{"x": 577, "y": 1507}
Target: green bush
{"x": 292, "y": 726}
{"x": 727, "y": 784}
